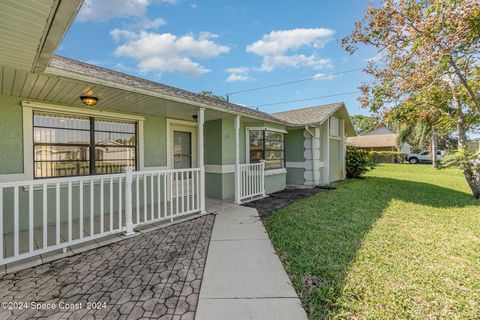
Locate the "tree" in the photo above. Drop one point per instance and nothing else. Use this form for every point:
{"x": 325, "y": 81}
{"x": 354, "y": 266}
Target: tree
{"x": 428, "y": 62}
{"x": 212, "y": 95}
{"x": 364, "y": 124}
{"x": 421, "y": 43}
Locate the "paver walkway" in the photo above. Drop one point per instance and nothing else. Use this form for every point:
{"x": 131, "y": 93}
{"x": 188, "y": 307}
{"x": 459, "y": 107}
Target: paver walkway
{"x": 154, "y": 275}
{"x": 244, "y": 278}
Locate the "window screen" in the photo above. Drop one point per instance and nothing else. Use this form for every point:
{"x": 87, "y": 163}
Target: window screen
{"x": 65, "y": 145}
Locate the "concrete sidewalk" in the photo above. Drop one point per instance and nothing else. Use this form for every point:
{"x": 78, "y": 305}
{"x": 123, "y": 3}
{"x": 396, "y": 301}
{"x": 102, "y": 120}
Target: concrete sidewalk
{"x": 244, "y": 278}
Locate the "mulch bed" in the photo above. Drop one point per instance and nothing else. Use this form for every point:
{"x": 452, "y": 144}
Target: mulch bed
{"x": 280, "y": 199}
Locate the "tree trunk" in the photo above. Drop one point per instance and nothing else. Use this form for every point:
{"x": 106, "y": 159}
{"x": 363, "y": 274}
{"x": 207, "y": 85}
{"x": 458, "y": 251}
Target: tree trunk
{"x": 473, "y": 182}
{"x": 434, "y": 148}
{"x": 462, "y": 134}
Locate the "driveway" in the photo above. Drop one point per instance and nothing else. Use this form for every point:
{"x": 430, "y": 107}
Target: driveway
{"x": 157, "y": 275}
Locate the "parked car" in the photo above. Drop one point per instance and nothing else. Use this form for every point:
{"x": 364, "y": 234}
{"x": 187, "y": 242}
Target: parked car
{"x": 423, "y": 157}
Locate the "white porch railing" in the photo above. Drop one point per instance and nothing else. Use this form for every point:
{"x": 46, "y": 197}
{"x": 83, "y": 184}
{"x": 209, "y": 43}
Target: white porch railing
{"x": 41, "y": 216}
{"x": 252, "y": 180}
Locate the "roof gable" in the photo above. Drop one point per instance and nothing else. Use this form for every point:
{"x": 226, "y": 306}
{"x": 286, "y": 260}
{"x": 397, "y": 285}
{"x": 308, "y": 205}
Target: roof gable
{"x": 317, "y": 115}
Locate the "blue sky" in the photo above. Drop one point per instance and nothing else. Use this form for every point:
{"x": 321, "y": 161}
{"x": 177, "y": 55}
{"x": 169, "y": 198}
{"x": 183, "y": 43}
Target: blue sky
{"x": 226, "y": 46}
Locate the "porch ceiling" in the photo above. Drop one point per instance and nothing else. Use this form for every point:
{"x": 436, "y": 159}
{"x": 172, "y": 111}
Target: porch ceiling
{"x": 55, "y": 89}
{"x": 31, "y": 31}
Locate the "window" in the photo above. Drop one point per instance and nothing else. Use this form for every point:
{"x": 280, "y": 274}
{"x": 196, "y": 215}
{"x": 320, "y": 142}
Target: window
{"x": 334, "y": 127}
{"x": 65, "y": 145}
{"x": 269, "y": 146}
{"x": 182, "y": 156}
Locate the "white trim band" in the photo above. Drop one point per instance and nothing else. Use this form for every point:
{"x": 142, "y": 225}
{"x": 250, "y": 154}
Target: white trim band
{"x": 299, "y": 165}
{"x": 273, "y": 172}
{"x": 220, "y": 168}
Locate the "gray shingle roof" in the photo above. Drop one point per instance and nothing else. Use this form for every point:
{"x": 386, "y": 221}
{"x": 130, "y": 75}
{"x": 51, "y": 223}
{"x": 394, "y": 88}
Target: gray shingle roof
{"x": 310, "y": 115}
{"x": 136, "y": 82}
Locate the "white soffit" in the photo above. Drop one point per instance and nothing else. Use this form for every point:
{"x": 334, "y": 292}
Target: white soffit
{"x": 30, "y": 31}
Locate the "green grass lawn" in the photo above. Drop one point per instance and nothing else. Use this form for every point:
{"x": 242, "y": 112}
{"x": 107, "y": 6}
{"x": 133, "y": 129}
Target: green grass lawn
{"x": 401, "y": 243}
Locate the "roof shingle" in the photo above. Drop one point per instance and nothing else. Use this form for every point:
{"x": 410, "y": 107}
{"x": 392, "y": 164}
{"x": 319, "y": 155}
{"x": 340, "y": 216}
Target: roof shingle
{"x": 316, "y": 114}
{"x": 136, "y": 82}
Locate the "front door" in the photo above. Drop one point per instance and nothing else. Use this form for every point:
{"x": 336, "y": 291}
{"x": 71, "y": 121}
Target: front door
{"x": 182, "y": 147}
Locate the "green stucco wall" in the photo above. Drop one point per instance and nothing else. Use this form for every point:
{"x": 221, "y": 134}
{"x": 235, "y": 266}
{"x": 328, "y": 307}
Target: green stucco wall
{"x": 294, "y": 146}
{"x": 295, "y": 176}
{"x": 228, "y": 141}
{"x": 275, "y": 183}
{"x": 335, "y": 167}
{"x": 213, "y": 185}
{"x": 11, "y": 133}
{"x": 213, "y": 142}
{"x": 220, "y": 150}
{"x": 155, "y": 142}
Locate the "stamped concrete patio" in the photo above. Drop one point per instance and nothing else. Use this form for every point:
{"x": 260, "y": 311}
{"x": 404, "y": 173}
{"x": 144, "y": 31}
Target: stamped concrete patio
{"x": 159, "y": 274}
{"x": 154, "y": 275}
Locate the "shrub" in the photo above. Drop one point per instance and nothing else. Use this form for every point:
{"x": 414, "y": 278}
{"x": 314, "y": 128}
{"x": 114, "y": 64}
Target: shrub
{"x": 387, "y": 156}
{"x": 357, "y": 162}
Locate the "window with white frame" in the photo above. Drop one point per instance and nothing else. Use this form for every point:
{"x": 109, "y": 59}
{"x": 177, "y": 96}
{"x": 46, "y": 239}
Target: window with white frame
{"x": 334, "y": 127}
{"x": 269, "y": 146}
{"x": 68, "y": 145}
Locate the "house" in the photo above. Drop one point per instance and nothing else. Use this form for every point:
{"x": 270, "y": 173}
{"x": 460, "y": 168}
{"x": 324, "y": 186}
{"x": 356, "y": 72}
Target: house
{"x": 88, "y": 152}
{"x": 315, "y": 145}
{"x": 380, "y": 139}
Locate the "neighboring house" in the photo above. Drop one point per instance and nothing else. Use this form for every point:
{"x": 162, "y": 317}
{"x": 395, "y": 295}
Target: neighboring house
{"x": 380, "y": 139}
{"x": 315, "y": 147}
{"x": 71, "y": 172}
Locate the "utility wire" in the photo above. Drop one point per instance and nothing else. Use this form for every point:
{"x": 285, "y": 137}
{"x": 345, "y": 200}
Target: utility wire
{"x": 308, "y": 99}
{"x": 290, "y": 82}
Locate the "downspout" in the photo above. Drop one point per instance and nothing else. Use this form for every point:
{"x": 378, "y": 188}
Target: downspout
{"x": 314, "y": 167}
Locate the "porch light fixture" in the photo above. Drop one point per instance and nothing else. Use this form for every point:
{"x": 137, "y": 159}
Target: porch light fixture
{"x": 195, "y": 117}
{"x": 89, "y": 100}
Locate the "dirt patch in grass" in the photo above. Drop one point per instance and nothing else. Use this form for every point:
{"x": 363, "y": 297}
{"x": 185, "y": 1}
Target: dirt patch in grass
{"x": 280, "y": 199}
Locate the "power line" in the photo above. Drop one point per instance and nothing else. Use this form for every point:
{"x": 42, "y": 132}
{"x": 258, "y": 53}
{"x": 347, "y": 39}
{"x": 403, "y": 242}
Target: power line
{"x": 291, "y": 82}
{"x": 307, "y": 99}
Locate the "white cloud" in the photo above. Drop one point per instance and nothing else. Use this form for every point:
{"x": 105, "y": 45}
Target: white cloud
{"x": 146, "y": 23}
{"x": 194, "y": 6}
{"x": 121, "y": 34}
{"x": 324, "y": 76}
{"x": 271, "y": 63}
{"x": 104, "y": 10}
{"x": 277, "y": 48}
{"x": 279, "y": 42}
{"x": 165, "y": 52}
{"x": 238, "y": 74}
{"x": 204, "y": 35}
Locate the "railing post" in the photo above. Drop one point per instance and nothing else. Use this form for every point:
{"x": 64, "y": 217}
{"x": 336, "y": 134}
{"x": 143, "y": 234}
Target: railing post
{"x": 262, "y": 177}
{"x": 237, "y": 160}
{"x": 128, "y": 200}
{"x": 201, "y": 164}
